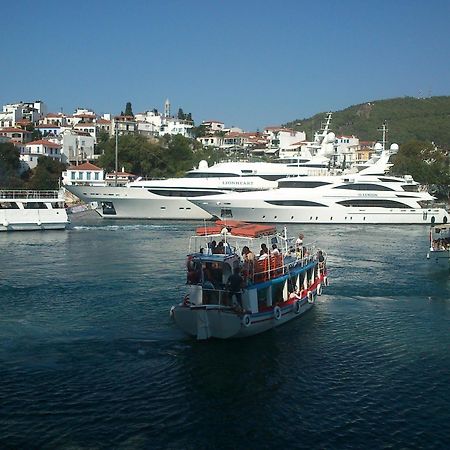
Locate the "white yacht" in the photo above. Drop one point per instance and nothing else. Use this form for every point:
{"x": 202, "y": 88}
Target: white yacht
{"x": 168, "y": 198}
{"x": 22, "y": 210}
{"x": 363, "y": 198}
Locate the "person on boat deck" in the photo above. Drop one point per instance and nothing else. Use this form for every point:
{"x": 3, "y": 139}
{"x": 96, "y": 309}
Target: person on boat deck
{"x": 212, "y": 246}
{"x": 208, "y": 279}
{"x": 275, "y": 250}
{"x": 235, "y": 283}
{"x": 264, "y": 252}
{"x": 299, "y": 243}
{"x": 220, "y": 249}
{"x": 226, "y": 247}
{"x": 247, "y": 254}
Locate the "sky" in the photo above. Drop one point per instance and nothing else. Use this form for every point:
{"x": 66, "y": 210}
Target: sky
{"x": 247, "y": 63}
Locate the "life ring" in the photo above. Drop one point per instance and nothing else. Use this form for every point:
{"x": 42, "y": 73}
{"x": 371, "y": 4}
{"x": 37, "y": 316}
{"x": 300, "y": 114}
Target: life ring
{"x": 246, "y": 320}
{"x": 297, "y": 306}
{"x": 277, "y": 312}
{"x": 325, "y": 281}
{"x": 186, "y": 301}
{"x": 319, "y": 289}
{"x": 310, "y": 297}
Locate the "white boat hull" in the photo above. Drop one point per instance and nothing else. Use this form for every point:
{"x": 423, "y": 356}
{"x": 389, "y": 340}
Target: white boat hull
{"x": 137, "y": 204}
{"x": 33, "y": 220}
{"x": 259, "y": 212}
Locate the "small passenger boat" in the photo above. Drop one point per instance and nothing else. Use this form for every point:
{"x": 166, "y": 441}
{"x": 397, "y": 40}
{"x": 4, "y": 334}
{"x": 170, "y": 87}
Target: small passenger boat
{"x": 272, "y": 288}
{"x": 25, "y": 210}
{"x": 439, "y": 252}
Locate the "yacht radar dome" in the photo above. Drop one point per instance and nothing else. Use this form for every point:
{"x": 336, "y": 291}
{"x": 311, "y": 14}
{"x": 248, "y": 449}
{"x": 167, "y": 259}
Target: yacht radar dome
{"x": 203, "y": 165}
{"x": 394, "y": 148}
{"x": 378, "y": 146}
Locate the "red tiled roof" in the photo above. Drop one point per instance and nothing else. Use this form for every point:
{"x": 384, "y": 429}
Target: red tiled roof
{"x": 49, "y": 125}
{"x": 13, "y": 130}
{"x": 84, "y": 124}
{"x": 103, "y": 121}
{"x": 85, "y": 166}
{"x": 45, "y": 143}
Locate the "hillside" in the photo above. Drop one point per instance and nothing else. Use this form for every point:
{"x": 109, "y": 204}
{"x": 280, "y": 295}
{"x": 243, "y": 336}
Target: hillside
{"x": 425, "y": 119}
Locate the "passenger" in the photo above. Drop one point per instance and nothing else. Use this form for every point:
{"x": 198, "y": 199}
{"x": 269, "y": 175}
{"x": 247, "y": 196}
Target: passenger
{"x": 220, "y": 249}
{"x": 299, "y": 243}
{"x": 212, "y": 246}
{"x": 234, "y": 284}
{"x": 264, "y": 252}
{"x": 275, "y": 250}
{"x": 208, "y": 282}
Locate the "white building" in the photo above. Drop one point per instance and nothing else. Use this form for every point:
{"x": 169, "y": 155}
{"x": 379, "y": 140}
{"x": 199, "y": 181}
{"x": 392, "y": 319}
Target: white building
{"x": 14, "y": 112}
{"x": 283, "y": 138}
{"x": 211, "y": 141}
{"x": 76, "y": 146}
{"x": 16, "y": 134}
{"x": 213, "y": 126}
{"x": 30, "y": 153}
{"x": 86, "y": 174}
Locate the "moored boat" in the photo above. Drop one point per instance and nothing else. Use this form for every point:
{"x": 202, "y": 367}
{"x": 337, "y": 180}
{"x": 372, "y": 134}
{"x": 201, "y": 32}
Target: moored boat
{"x": 439, "y": 252}
{"x": 234, "y": 294}
{"x": 28, "y": 210}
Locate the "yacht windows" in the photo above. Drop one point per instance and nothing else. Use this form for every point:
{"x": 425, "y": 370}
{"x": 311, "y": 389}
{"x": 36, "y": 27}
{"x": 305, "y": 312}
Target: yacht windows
{"x": 410, "y": 187}
{"x": 226, "y": 213}
{"x": 294, "y": 203}
{"x": 183, "y": 193}
{"x": 301, "y": 184}
{"x": 364, "y": 187}
{"x": 34, "y": 205}
{"x": 373, "y": 203}
{"x": 9, "y": 205}
{"x": 210, "y": 174}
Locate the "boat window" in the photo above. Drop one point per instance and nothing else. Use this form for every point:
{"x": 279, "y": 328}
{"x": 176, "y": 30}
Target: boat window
{"x": 301, "y": 184}
{"x": 390, "y": 180}
{"x": 373, "y": 203}
{"x": 294, "y": 203}
{"x": 108, "y": 209}
{"x": 56, "y": 205}
{"x": 211, "y": 174}
{"x": 364, "y": 187}
{"x": 410, "y": 187}
{"x": 183, "y": 193}
{"x": 34, "y": 205}
{"x": 9, "y": 205}
{"x": 226, "y": 213}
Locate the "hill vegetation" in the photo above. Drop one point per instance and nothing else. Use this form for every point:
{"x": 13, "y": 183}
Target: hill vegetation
{"x": 408, "y": 118}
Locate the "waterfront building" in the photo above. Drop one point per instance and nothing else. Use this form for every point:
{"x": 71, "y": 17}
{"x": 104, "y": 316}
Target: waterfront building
{"x": 16, "y": 134}
{"x": 84, "y": 174}
{"x": 33, "y": 150}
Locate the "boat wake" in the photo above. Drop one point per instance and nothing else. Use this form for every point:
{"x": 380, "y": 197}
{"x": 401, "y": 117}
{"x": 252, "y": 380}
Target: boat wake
{"x": 133, "y": 227}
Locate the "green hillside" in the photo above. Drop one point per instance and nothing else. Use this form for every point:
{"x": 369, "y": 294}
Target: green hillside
{"x": 424, "y": 119}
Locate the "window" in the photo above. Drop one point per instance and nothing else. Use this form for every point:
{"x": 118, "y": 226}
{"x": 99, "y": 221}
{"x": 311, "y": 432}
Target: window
{"x": 301, "y": 184}
{"x": 96, "y": 175}
{"x": 182, "y": 192}
{"x": 294, "y": 203}
{"x": 364, "y": 187}
{"x": 373, "y": 203}
{"x": 88, "y": 175}
{"x": 80, "y": 175}
{"x": 72, "y": 176}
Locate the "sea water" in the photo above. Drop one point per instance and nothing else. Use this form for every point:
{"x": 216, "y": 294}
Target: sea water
{"x": 89, "y": 357}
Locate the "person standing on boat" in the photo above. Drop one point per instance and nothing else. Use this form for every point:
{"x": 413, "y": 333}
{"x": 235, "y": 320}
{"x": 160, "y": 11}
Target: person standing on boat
{"x": 235, "y": 283}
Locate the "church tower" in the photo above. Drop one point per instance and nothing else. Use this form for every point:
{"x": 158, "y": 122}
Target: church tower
{"x": 167, "y": 108}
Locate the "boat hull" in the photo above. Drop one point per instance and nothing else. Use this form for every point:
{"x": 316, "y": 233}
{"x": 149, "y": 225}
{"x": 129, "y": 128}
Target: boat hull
{"x": 258, "y": 212}
{"x": 205, "y": 322}
{"x": 33, "y": 220}
{"x": 126, "y": 203}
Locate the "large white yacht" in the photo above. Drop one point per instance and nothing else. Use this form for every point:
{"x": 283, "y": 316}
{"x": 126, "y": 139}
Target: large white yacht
{"x": 168, "y": 198}
{"x": 23, "y": 210}
{"x": 361, "y": 198}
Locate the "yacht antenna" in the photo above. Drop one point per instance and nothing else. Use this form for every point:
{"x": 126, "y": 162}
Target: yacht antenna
{"x": 117, "y": 153}
{"x": 385, "y": 130}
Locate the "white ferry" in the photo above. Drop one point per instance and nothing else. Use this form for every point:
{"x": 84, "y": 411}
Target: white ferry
{"x": 439, "y": 253}
{"x": 24, "y": 210}
{"x": 272, "y": 289}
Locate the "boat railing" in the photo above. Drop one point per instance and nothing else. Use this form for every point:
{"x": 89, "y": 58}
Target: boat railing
{"x": 28, "y": 194}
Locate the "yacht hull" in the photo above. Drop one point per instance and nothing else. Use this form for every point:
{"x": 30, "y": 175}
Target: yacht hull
{"x": 253, "y": 212}
{"x": 126, "y": 203}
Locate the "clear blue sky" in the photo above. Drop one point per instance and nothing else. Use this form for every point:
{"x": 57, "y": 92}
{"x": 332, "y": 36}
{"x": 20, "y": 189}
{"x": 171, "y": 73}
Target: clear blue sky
{"x": 248, "y": 63}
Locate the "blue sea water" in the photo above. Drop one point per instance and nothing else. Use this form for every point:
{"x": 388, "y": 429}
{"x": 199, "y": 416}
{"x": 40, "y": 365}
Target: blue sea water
{"x": 89, "y": 358}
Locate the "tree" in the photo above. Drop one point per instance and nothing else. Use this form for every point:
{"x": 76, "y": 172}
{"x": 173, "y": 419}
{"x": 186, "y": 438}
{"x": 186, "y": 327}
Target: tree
{"x": 426, "y": 163}
{"x": 46, "y": 174}
{"x": 128, "y": 110}
{"x": 9, "y": 165}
